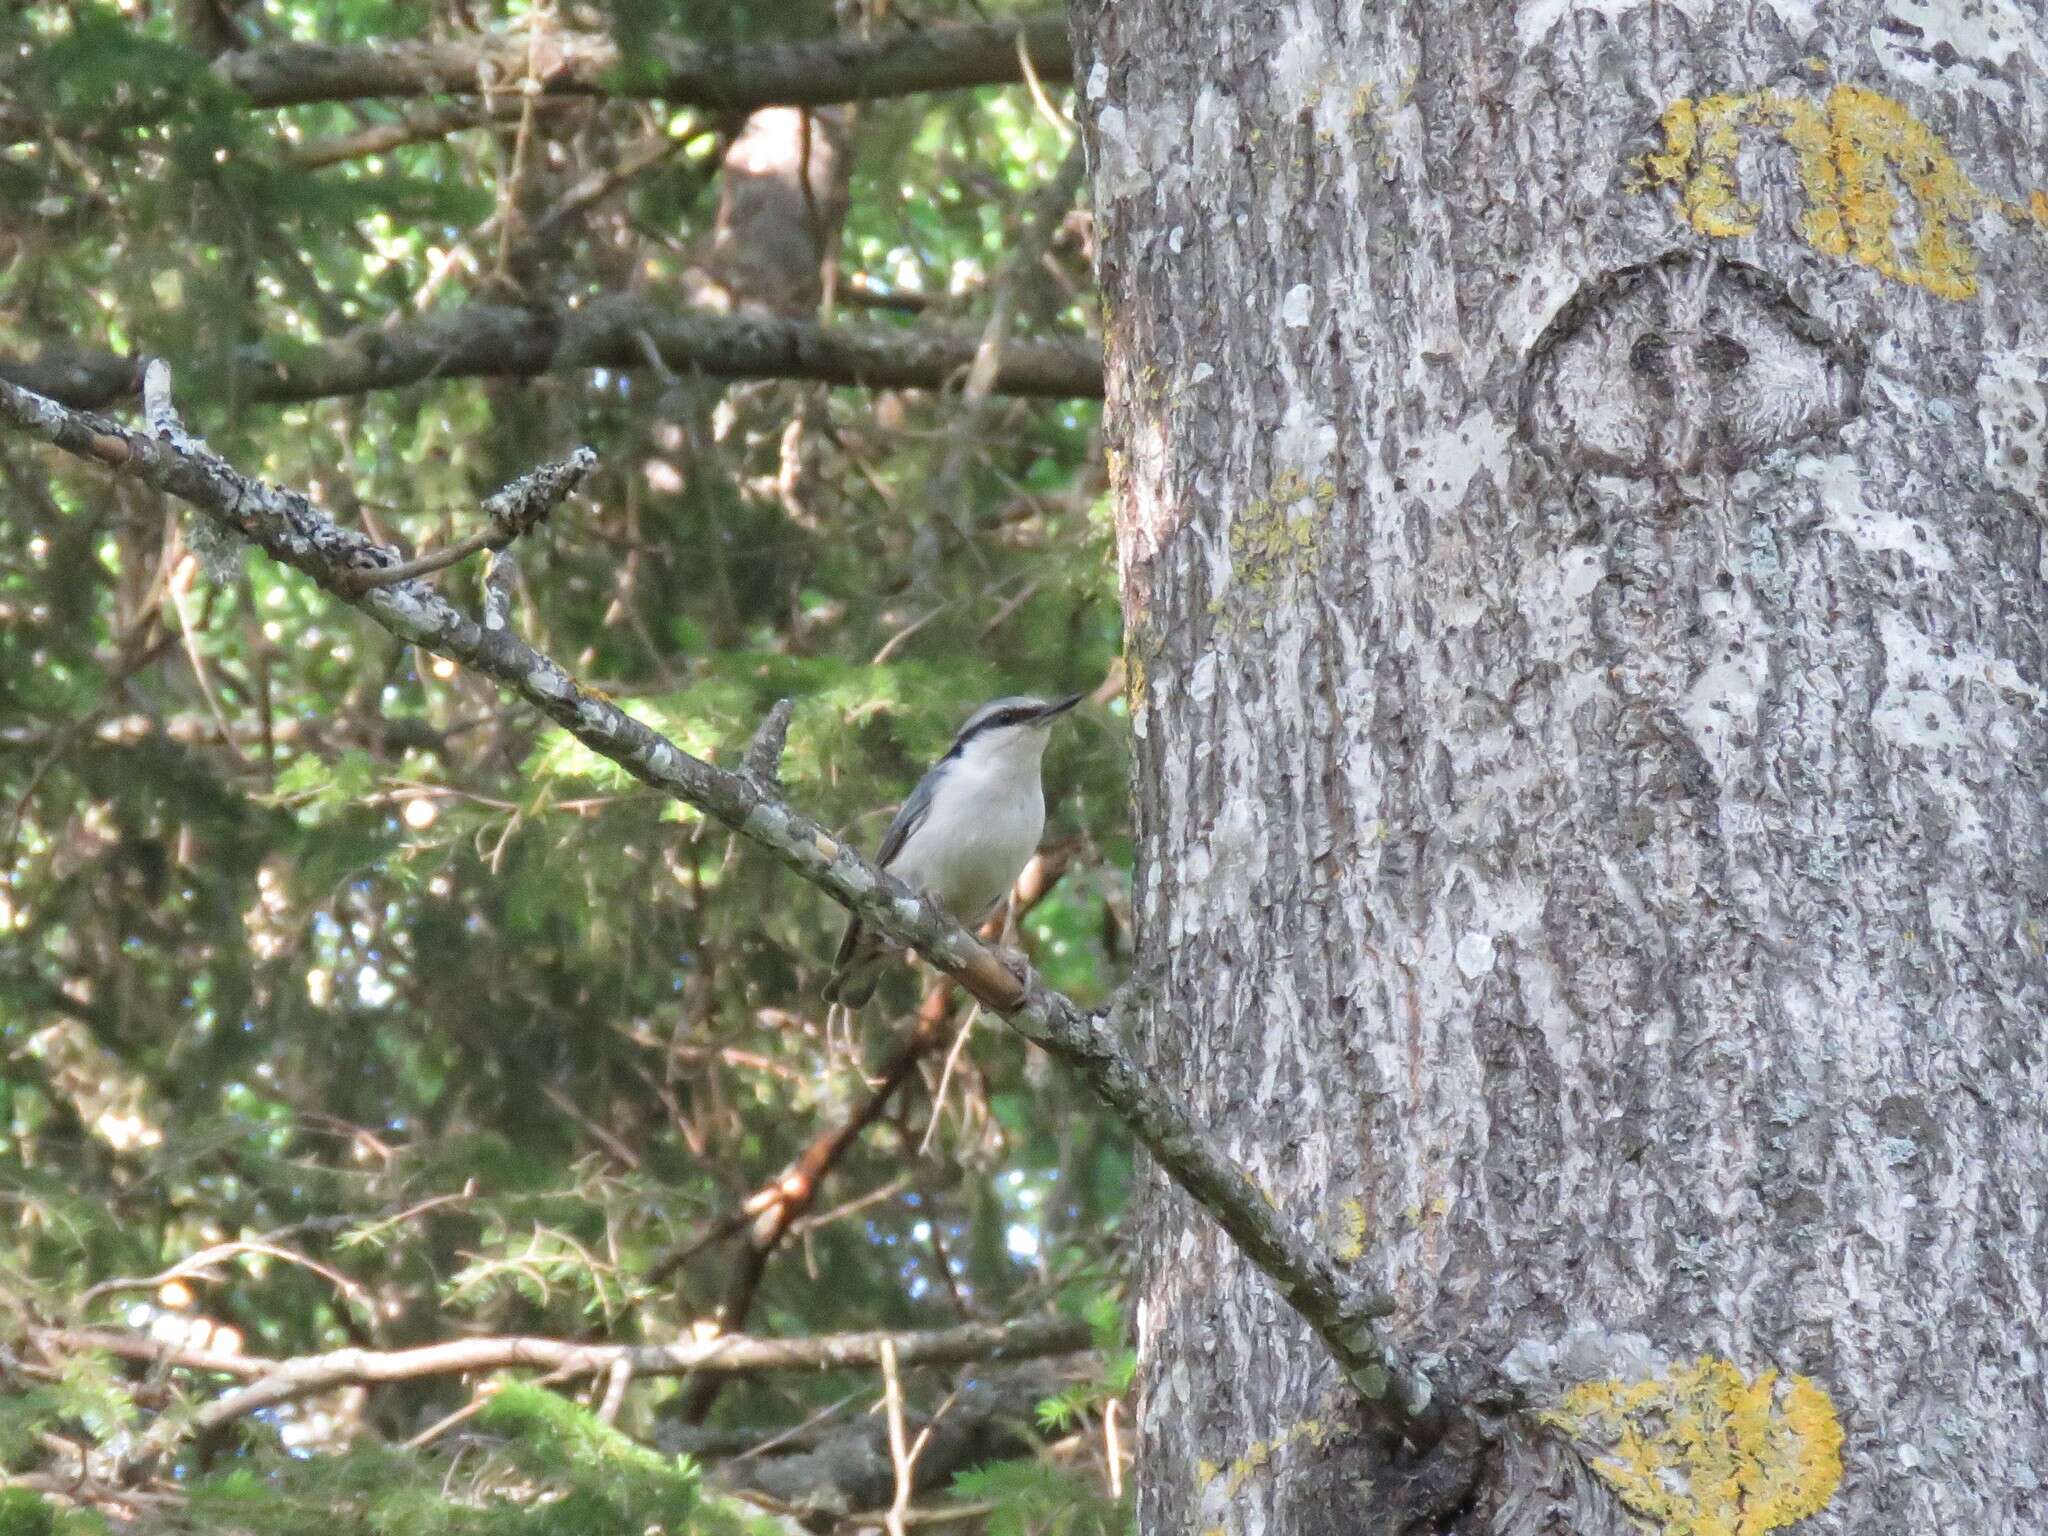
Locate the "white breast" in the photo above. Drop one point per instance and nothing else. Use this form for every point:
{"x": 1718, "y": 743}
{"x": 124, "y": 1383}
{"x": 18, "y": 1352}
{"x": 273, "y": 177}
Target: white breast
{"x": 983, "y": 827}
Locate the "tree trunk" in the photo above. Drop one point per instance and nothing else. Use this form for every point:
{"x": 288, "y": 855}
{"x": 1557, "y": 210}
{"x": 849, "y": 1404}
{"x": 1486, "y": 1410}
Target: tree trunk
{"x": 1580, "y": 480}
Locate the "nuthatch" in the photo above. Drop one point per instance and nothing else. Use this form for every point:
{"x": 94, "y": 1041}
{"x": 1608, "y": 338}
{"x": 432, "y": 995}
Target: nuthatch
{"x": 965, "y": 833}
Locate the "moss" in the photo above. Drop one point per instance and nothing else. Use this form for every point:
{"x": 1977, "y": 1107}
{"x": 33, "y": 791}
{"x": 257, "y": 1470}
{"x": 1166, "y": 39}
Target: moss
{"x": 1704, "y": 1451}
{"x": 1856, "y": 149}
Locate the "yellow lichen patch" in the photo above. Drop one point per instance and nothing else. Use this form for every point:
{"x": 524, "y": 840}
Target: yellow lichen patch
{"x": 1700, "y": 146}
{"x": 1242, "y": 1468}
{"x": 1852, "y": 160}
{"x": 1276, "y": 533}
{"x": 1862, "y": 158}
{"x": 1704, "y": 1451}
{"x": 1259, "y": 1453}
{"x": 1351, "y": 1245}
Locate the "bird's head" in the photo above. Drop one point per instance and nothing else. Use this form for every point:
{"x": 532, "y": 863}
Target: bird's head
{"x": 1011, "y": 727}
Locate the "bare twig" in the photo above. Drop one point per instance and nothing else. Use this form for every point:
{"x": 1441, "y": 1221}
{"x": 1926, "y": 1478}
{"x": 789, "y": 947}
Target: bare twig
{"x": 501, "y": 581}
{"x": 931, "y": 1127}
{"x": 899, "y": 1455}
{"x": 412, "y": 128}
{"x": 479, "y": 1400}
{"x": 1112, "y": 1448}
{"x": 1043, "y": 102}
{"x": 763, "y": 762}
{"x": 1050, "y": 203}
{"x": 944, "y": 1514}
{"x": 516, "y": 510}
{"x": 880, "y": 1195}
{"x": 202, "y": 1265}
{"x": 157, "y": 409}
{"x": 733, "y": 1354}
{"x": 410, "y": 1213}
{"x": 636, "y": 161}
{"x": 270, "y": 1383}
{"x": 178, "y": 590}
{"x": 617, "y": 1380}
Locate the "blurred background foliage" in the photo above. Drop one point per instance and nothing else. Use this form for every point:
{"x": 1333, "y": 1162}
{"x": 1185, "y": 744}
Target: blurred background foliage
{"x": 409, "y": 1017}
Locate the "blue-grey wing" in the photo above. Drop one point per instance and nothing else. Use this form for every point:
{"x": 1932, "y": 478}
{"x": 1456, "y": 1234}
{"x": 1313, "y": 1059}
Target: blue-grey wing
{"x": 908, "y": 819}
{"x": 912, "y": 816}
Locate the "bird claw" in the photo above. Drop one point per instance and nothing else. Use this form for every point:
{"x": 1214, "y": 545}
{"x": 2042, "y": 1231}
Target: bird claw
{"x": 1015, "y": 963}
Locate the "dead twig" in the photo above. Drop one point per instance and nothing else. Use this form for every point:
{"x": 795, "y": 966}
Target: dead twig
{"x": 516, "y": 510}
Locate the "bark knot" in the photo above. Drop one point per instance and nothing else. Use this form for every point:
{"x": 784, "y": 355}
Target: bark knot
{"x": 1681, "y": 365}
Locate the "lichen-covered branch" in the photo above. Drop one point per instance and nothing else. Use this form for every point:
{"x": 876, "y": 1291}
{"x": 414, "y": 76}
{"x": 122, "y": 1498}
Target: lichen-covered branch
{"x": 287, "y": 526}
{"x": 514, "y": 511}
{"x": 620, "y": 333}
{"x": 682, "y": 72}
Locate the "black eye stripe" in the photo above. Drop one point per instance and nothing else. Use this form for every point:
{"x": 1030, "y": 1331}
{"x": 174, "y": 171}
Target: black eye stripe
{"x": 1021, "y": 714}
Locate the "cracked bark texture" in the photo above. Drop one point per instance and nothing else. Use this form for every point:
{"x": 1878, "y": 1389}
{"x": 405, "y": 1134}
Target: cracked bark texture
{"x": 1580, "y": 497}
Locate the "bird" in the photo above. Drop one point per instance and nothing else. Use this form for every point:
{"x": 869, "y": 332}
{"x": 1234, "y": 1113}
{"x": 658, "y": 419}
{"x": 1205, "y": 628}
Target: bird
{"x": 965, "y": 833}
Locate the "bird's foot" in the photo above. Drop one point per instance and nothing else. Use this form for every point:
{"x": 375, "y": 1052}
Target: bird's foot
{"x": 1015, "y": 963}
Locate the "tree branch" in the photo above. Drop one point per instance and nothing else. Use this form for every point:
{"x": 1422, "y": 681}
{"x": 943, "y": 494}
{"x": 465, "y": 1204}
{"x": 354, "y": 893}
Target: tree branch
{"x": 498, "y": 341}
{"x": 291, "y": 529}
{"x": 273, "y": 1382}
{"x": 513, "y": 511}
{"x": 413, "y": 128}
{"x": 764, "y": 753}
{"x": 684, "y": 73}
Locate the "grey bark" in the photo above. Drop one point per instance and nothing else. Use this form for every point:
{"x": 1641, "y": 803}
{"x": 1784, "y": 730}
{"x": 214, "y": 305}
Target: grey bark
{"x": 1586, "y": 596}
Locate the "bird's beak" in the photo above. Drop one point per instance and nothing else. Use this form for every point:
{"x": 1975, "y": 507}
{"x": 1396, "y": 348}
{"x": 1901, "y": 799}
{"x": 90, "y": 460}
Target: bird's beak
{"x": 1060, "y": 707}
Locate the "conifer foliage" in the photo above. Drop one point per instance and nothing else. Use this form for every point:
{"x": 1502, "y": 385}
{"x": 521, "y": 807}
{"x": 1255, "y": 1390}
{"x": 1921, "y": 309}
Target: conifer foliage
{"x": 351, "y": 1011}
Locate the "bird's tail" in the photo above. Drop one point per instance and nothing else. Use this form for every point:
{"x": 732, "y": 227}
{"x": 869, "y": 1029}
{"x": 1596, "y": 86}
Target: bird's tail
{"x": 857, "y": 968}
